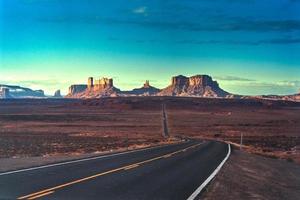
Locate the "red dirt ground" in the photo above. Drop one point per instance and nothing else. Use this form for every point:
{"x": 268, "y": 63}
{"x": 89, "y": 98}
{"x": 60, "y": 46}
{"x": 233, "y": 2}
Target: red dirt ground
{"x": 43, "y": 127}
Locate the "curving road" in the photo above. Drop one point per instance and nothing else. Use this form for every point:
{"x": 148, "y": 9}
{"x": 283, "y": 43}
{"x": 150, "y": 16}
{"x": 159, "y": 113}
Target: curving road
{"x": 166, "y": 172}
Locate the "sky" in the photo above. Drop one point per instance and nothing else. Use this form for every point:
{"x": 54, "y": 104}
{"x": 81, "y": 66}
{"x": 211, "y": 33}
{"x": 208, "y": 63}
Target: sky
{"x": 250, "y": 47}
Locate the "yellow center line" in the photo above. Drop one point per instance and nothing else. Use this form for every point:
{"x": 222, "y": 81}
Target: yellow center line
{"x": 131, "y": 166}
{"x": 168, "y": 155}
{"x": 51, "y": 190}
{"x": 41, "y": 195}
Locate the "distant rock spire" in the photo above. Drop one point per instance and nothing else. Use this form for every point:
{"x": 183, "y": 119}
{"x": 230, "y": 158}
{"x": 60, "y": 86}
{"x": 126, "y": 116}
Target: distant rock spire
{"x": 147, "y": 84}
{"x": 57, "y": 94}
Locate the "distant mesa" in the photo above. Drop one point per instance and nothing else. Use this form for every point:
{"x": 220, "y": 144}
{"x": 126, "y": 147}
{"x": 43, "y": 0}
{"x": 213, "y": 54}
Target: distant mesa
{"x": 94, "y": 89}
{"x": 10, "y": 91}
{"x": 198, "y": 86}
{"x": 182, "y": 86}
{"x": 293, "y": 97}
{"x": 76, "y": 89}
{"x": 57, "y": 94}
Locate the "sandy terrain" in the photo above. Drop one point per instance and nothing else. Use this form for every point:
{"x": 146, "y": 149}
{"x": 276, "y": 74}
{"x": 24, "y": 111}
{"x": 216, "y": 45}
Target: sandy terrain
{"x": 51, "y": 127}
{"x": 248, "y": 176}
{"x": 43, "y": 127}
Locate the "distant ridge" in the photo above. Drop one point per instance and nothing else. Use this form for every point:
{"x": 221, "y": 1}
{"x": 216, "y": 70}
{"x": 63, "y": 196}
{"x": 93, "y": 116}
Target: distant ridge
{"x": 197, "y": 86}
{"x": 12, "y": 91}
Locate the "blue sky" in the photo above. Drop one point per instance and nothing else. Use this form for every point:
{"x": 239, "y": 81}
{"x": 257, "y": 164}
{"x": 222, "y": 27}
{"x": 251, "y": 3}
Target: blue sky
{"x": 248, "y": 46}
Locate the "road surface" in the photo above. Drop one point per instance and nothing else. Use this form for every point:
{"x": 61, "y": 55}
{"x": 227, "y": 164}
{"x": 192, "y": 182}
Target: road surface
{"x": 165, "y": 122}
{"x": 167, "y": 172}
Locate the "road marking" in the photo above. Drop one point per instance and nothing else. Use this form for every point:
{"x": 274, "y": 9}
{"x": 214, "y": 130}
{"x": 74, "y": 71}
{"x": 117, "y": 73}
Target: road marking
{"x": 101, "y": 174}
{"x": 80, "y": 160}
{"x": 131, "y": 167}
{"x": 68, "y": 184}
{"x": 168, "y": 155}
{"x": 41, "y": 195}
{"x": 205, "y": 183}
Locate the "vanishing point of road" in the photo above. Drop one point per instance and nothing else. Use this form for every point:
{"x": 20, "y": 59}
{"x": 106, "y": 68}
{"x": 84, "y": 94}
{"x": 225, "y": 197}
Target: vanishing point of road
{"x": 166, "y": 172}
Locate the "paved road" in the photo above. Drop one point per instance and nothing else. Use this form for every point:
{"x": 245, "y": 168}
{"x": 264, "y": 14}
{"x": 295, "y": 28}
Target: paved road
{"x": 168, "y": 172}
{"x": 165, "y": 122}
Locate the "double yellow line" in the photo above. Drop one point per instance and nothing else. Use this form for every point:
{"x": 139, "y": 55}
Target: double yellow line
{"x": 49, "y": 191}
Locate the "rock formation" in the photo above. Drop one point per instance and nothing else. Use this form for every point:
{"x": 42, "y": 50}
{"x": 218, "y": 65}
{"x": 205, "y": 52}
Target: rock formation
{"x": 147, "y": 84}
{"x": 4, "y": 93}
{"x": 199, "y": 85}
{"x": 76, "y": 89}
{"x": 9, "y": 91}
{"x": 293, "y": 97}
{"x": 146, "y": 90}
{"x": 57, "y": 94}
{"x": 94, "y": 89}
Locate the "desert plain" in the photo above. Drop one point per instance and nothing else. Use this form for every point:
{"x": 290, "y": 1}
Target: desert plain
{"x": 45, "y": 127}
{"x": 34, "y": 132}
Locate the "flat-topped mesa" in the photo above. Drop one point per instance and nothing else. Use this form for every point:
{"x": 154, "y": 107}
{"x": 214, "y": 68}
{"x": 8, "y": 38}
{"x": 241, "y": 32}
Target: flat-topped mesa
{"x": 75, "y": 89}
{"x": 194, "y": 86}
{"x": 100, "y": 84}
{"x": 203, "y": 80}
{"x": 197, "y": 80}
{"x": 199, "y": 85}
{"x": 179, "y": 80}
{"x": 94, "y": 89}
{"x": 14, "y": 91}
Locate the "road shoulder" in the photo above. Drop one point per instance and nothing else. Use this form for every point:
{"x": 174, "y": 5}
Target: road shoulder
{"x": 248, "y": 176}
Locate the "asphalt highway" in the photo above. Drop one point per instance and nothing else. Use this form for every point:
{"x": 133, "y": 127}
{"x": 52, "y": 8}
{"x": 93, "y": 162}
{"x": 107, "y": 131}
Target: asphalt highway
{"x": 166, "y": 172}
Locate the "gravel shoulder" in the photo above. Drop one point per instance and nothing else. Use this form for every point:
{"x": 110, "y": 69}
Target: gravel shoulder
{"x": 249, "y": 176}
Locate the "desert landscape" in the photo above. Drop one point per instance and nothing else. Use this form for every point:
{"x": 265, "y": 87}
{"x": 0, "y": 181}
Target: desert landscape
{"x": 43, "y": 127}
{"x": 149, "y": 99}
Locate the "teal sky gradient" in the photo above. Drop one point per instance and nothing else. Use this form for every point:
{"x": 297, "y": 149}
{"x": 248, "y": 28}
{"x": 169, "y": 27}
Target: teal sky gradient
{"x": 249, "y": 47}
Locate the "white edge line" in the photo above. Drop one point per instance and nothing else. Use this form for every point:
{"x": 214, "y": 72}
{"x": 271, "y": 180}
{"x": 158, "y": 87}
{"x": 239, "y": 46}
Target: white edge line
{"x": 80, "y": 160}
{"x": 206, "y": 182}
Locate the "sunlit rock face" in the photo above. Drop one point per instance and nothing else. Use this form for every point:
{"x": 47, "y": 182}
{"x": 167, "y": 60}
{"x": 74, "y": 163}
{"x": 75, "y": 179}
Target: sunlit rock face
{"x": 94, "y": 89}
{"x": 199, "y": 85}
{"x": 76, "y": 89}
{"x": 101, "y": 84}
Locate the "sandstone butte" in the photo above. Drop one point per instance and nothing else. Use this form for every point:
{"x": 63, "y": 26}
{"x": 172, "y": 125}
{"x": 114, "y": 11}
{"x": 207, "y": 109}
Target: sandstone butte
{"x": 197, "y": 86}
